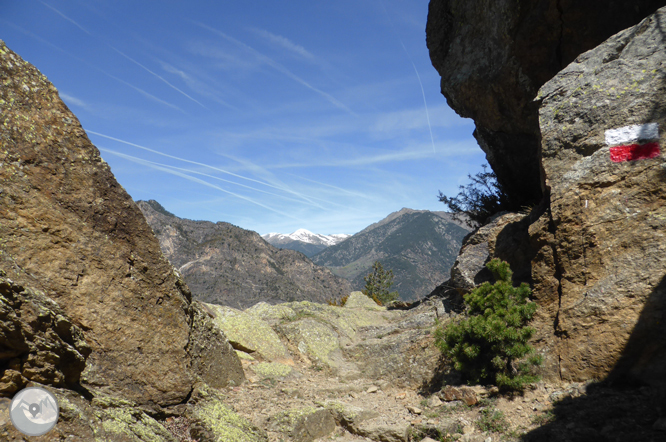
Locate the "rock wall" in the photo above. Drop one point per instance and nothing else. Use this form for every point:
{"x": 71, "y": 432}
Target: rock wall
{"x": 69, "y": 230}
{"x": 606, "y": 227}
{"x": 493, "y": 56}
{"x": 594, "y": 248}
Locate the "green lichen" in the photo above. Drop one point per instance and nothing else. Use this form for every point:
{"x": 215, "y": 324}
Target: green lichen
{"x": 286, "y": 421}
{"x": 271, "y": 370}
{"x": 226, "y": 425}
{"x": 118, "y": 416}
{"x": 249, "y": 332}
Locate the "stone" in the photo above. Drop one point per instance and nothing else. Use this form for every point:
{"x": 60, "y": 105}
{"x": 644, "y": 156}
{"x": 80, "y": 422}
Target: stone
{"x": 249, "y": 334}
{"x": 318, "y": 341}
{"x": 599, "y": 269}
{"x": 216, "y": 421}
{"x": 372, "y": 389}
{"x": 465, "y": 394}
{"x": 70, "y": 230}
{"x": 493, "y": 57}
{"x": 414, "y": 410}
{"x": 39, "y": 341}
{"x": 305, "y": 424}
{"x": 213, "y": 359}
{"x": 359, "y": 300}
{"x": 434, "y": 402}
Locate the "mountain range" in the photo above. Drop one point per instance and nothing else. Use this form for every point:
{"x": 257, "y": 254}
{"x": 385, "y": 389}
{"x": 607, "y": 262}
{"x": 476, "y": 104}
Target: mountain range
{"x": 419, "y": 246}
{"x": 224, "y": 264}
{"x": 304, "y": 241}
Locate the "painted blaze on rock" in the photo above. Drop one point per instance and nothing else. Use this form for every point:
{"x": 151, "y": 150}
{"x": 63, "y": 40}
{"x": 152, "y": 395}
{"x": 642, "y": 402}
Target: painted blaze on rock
{"x": 601, "y": 265}
{"x": 628, "y": 143}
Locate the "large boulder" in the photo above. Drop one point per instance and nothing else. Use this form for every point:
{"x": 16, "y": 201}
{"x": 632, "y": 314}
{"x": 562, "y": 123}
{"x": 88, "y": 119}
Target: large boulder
{"x": 494, "y": 55}
{"x": 600, "y": 269}
{"x": 70, "y": 230}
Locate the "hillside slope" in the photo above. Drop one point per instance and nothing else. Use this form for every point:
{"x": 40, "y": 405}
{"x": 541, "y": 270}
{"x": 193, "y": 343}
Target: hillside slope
{"x": 224, "y": 264}
{"x": 419, "y": 246}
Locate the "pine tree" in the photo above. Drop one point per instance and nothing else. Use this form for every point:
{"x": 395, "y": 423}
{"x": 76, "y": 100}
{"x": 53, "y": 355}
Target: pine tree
{"x": 490, "y": 345}
{"x": 378, "y": 284}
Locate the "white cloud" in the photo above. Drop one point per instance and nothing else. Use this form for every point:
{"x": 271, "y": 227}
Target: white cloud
{"x": 284, "y": 42}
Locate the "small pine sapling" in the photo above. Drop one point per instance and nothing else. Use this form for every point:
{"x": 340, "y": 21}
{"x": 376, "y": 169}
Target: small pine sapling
{"x": 490, "y": 345}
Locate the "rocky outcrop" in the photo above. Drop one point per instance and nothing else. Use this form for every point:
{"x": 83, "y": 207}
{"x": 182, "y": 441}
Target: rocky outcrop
{"x": 593, "y": 249}
{"x": 71, "y": 231}
{"x": 604, "y": 232}
{"x": 89, "y": 306}
{"x": 359, "y": 339}
{"x": 494, "y": 56}
{"x": 39, "y": 342}
{"x": 224, "y": 264}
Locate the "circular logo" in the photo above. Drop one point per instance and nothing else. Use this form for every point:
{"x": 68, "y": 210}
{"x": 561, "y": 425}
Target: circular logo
{"x": 34, "y": 411}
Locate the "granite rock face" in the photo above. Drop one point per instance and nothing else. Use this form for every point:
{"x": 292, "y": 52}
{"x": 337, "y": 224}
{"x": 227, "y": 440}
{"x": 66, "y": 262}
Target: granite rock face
{"x": 39, "y": 343}
{"x": 493, "y": 56}
{"x": 603, "y": 238}
{"x": 594, "y": 249}
{"x": 69, "y": 230}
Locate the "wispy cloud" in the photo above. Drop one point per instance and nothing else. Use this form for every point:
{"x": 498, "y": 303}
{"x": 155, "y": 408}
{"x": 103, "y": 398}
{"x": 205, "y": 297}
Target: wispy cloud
{"x": 284, "y": 42}
{"x": 425, "y": 103}
{"x": 199, "y": 164}
{"x": 156, "y": 75}
{"x": 202, "y": 87}
{"x": 65, "y": 17}
{"x": 81, "y": 60}
{"x": 171, "y": 170}
{"x": 280, "y": 68}
{"x": 69, "y": 99}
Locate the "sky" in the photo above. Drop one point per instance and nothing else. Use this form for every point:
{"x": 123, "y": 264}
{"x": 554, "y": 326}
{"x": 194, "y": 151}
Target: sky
{"x": 272, "y": 116}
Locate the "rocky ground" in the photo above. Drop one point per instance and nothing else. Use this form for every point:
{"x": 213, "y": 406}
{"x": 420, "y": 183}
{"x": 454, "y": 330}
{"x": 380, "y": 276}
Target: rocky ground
{"x": 379, "y": 384}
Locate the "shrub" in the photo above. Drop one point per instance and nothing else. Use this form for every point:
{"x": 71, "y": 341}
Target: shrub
{"x": 339, "y": 303}
{"x": 478, "y": 200}
{"x": 490, "y": 345}
{"x": 378, "y": 283}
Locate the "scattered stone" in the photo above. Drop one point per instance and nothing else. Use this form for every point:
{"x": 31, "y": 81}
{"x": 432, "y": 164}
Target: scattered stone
{"x": 468, "y": 429}
{"x": 372, "y": 389}
{"x": 427, "y": 439}
{"x": 465, "y": 394}
{"x": 401, "y": 395}
{"x": 414, "y": 410}
{"x": 434, "y": 401}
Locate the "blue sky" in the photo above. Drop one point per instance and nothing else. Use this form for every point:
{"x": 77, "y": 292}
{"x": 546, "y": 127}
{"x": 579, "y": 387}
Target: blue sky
{"x": 272, "y": 116}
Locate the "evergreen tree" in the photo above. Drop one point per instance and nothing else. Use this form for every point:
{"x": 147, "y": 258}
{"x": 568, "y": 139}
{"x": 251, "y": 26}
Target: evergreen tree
{"x": 490, "y": 345}
{"x": 378, "y": 283}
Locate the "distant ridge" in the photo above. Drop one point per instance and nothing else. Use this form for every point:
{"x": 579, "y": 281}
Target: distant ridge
{"x": 420, "y": 247}
{"x": 227, "y": 265}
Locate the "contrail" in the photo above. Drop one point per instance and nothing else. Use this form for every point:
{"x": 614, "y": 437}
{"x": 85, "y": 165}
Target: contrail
{"x": 277, "y": 66}
{"x": 65, "y": 17}
{"x": 196, "y": 180}
{"x": 197, "y": 163}
{"x": 156, "y": 75}
{"x": 141, "y": 160}
{"x": 425, "y": 104}
{"x": 48, "y": 43}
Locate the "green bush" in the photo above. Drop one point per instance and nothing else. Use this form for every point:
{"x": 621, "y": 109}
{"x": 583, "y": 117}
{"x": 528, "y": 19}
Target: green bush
{"x": 490, "y": 345}
{"x": 378, "y": 283}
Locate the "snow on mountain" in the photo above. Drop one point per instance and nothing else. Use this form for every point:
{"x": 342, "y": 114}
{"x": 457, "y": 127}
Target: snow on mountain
{"x": 305, "y": 236}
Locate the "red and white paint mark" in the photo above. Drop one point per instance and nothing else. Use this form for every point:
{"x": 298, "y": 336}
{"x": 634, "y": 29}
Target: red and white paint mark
{"x": 631, "y": 143}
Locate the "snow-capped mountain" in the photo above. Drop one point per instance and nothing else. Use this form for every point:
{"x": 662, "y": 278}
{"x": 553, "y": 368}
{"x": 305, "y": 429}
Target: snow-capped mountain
{"x": 304, "y": 241}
